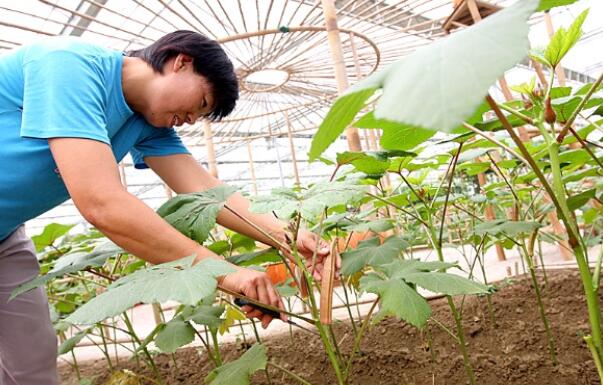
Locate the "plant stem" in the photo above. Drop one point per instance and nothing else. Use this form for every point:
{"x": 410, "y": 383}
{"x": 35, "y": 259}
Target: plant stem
{"x": 397, "y": 207}
{"x": 279, "y": 244}
{"x": 290, "y": 373}
{"x": 512, "y": 111}
{"x": 462, "y": 343}
{"x": 347, "y": 301}
{"x": 105, "y": 349}
{"x": 597, "y": 272}
{"x": 570, "y": 121}
{"x": 444, "y": 328}
{"x": 550, "y": 338}
{"x": 359, "y": 338}
{"x": 596, "y": 356}
{"x": 144, "y": 348}
{"x": 207, "y": 348}
{"x": 558, "y": 198}
{"x": 214, "y": 338}
{"x": 76, "y": 366}
{"x": 585, "y": 147}
{"x": 495, "y": 141}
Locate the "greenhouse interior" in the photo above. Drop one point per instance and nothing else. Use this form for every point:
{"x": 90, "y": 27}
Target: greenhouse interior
{"x": 301, "y": 192}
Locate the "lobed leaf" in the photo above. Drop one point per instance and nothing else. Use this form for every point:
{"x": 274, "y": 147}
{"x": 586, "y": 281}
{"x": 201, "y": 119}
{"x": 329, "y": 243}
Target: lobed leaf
{"x": 545, "y": 5}
{"x": 445, "y": 283}
{"x": 371, "y": 252}
{"x": 461, "y": 68}
{"x": 398, "y": 299}
{"x": 175, "y": 334}
{"x": 563, "y": 40}
{"x": 71, "y": 263}
{"x": 194, "y": 215}
{"x": 177, "y": 281}
{"x": 50, "y": 234}
{"x": 239, "y": 371}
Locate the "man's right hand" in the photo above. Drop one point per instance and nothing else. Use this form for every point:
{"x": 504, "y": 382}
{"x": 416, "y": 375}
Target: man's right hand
{"x": 255, "y": 285}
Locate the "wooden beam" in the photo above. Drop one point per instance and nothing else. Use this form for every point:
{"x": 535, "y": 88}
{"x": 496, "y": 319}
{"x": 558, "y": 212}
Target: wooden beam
{"x": 330, "y": 16}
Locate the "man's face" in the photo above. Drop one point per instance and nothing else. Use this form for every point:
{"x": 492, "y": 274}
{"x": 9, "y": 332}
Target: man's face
{"x": 179, "y": 95}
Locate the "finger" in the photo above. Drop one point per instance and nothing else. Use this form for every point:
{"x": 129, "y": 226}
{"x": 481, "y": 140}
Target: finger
{"x": 319, "y": 270}
{"x": 338, "y": 261}
{"x": 251, "y": 291}
{"x": 276, "y": 300}
{"x": 246, "y": 309}
{"x": 266, "y": 319}
{"x": 324, "y": 248}
{"x": 255, "y": 313}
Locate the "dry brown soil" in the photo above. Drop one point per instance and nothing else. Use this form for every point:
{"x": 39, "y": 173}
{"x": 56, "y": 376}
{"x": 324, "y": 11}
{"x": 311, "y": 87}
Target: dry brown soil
{"x": 513, "y": 351}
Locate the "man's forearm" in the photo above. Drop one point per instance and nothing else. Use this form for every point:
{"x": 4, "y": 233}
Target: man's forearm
{"x": 267, "y": 222}
{"x": 134, "y": 226}
{"x": 184, "y": 175}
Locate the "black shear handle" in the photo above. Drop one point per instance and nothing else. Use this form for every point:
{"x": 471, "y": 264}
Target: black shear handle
{"x": 241, "y": 302}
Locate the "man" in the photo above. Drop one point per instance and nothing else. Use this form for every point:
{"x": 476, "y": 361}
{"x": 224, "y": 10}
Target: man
{"x": 69, "y": 111}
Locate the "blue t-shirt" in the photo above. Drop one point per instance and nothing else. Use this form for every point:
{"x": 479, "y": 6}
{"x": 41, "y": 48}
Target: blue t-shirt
{"x": 63, "y": 87}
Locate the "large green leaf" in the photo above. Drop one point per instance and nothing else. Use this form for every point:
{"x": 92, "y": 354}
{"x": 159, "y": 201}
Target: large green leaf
{"x": 205, "y": 314}
{"x": 177, "y": 281}
{"x": 455, "y": 72}
{"x": 239, "y": 371}
{"x": 371, "y": 252}
{"x": 576, "y": 201}
{"x": 396, "y": 136}
{"x": 545, "y": 5}
{"x": 376, "y": 226}
{"x": 406, "y": 137}
{"x": 339, "y": 117}
{"x": 455, "y": 75}
{"x": 398, "y": 299}
{"x": 508, "y": 228}
{"x": 50, "y": 234}
{"x": 364, "y": 162}
{"x": 563, "y": 40}
{"x": 175, "y": 334}
{"x": 194, "y": 215}
{"x": 311, "y": 202}
{"x": 71, "y": 342}
{"x": 445, "y": 283}
{"x": 256, "y": 258}
{"x": 71, "y": 263}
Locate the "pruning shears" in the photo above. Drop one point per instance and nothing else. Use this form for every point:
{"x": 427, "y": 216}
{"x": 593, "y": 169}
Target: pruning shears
{"x": 274, "y": 312}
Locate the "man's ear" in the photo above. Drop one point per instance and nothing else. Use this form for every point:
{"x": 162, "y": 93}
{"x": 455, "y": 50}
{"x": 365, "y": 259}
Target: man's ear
{"x": 181, "y": 62}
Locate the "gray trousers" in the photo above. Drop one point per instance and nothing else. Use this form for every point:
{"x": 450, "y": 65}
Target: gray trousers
{"x": 28, "y": 343}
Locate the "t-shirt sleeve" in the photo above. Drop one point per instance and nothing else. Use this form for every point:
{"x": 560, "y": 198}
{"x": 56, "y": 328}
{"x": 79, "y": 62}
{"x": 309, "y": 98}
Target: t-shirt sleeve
{"x": 63, "y": 97}
{"x": 156, "y": 142}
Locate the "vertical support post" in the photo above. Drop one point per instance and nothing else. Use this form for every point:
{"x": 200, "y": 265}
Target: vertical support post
{"x": 369, "y": 134}
{"x": 122, "y": 174}
{"x": 490, "y": 214}
{"x": 330, "y": 16}
{"x": 254, "y": 183}
{"x": 292, "y": 146}
{"x": 209, "y": 144}
{"x": 278, "y": 155}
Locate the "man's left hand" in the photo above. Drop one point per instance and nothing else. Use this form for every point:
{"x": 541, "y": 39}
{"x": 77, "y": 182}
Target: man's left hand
{"x": 307, "y": 243}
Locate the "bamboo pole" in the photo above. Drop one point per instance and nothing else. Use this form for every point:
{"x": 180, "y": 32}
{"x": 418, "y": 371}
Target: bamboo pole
{"x": 211, "y": 153}
{"x": 254, "y": 183}
{"x": 122, "y": 174}
{"x": 481, "y": 177}
{"x": 339, "y": 65}
{"x": 292, "y": 146}
{"x": 369, "y": 134}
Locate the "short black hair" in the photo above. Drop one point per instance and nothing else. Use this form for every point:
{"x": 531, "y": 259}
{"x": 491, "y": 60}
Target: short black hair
{"x": 209, "y": 60}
